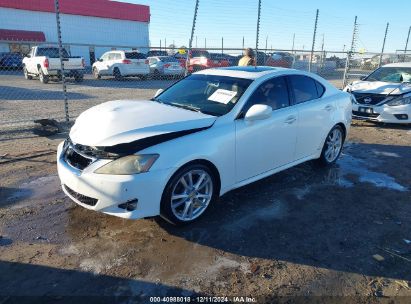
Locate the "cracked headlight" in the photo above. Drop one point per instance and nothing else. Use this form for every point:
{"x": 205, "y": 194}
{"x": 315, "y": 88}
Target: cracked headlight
{"x": 127, "y": 165}
{"x": 400, "y": 101}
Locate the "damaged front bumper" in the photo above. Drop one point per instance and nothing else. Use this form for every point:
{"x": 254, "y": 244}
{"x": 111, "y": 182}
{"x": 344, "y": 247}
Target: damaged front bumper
{"x": 127, "y": 196}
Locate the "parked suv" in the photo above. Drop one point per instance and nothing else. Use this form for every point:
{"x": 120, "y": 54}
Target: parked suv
{"x": 121, "y": 64}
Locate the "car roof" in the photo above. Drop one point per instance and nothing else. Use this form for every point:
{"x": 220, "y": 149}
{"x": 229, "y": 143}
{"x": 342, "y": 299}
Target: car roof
{"x": 398, "y": 64}
{"x": 247, "y": 72}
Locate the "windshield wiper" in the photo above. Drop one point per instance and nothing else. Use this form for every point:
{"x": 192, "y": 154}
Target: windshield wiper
{"x": 156, "y": 100}
{"x": 192, "y": 108}
{"x": 185, "y": 106}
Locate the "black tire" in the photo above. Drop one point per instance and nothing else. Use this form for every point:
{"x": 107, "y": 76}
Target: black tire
{"x": 43, "y": 78}
{"x": 156, "y": 75}
{"x": 96, "y": 74}
{"x": 26, "y": 74}
{"x": 78, "y": 78}
{"x": 166, "y": 211}
{"x": 117, "y": 74}
{"x": 325, "y": 161}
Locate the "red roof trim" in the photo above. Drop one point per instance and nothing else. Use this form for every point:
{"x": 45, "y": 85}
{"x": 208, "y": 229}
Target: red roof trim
{"x": 17, "y": 35}
{"x": 94, "y": 8}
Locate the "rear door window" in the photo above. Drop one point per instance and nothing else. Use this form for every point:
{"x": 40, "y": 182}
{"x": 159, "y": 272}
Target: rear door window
{"x": 135, "y": 55}
{"x": 304, "y": 88}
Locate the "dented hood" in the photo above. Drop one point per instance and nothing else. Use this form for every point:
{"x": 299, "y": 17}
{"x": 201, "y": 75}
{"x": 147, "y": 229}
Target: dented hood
{"x": 125, "y": 121}
{"x": 379, "y": 87}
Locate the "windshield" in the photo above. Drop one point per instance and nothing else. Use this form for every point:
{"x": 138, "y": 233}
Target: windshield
{"x": 209, "y": 94}
{"x": 391, "y": 74}
{"x": 51, "y": 52}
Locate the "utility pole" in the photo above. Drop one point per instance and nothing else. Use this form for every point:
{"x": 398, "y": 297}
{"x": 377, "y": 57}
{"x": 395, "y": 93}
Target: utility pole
{"x": 383, "y": 44}
{"x": 222, "y": 45}
{"x": 196, "y": 42}
{"x": 191, "y": 37}
{"x": 243, "y": 42}
{"x": 258, "y": 32}
{"x": 314, "y": 36}
{"x": 266, "y": 43}
{"x": 205, "y": 43}
{"x": 406, "y": 44}
{"x": 350, "y": 53}
{"x": 60, "y": 45}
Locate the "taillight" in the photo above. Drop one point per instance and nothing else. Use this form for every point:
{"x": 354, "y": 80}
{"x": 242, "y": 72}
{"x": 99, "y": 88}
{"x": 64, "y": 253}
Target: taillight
{"x": 167, "y": 65}
{"x": 46, "y": 63}
{"x": 126, "y": 61}
{"x": 146, "y": 62}
{"x": 83, "y": 62}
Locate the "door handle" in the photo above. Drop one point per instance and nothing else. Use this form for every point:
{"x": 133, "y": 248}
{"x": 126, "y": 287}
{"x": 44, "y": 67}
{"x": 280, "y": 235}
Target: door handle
{"x": 290, "y": 120}
{"x": 328, "y": 108}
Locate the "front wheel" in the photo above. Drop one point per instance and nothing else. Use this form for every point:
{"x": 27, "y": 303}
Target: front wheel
{"x": 117, "y": 74}
{"x": 332, "y": 147}
{"x": 26, "y": 74}
{"x": 96, "y": 74}
{"x": 188, "y": 194}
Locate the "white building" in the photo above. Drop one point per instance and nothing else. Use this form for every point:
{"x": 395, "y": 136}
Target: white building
{"x": 88, "y": 27}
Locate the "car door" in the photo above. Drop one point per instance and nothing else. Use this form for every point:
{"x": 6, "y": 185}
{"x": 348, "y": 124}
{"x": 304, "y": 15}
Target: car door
{"x": 267, "y": 144}
{"x": 315, "y": 114}
{"x": 102, "y": 66}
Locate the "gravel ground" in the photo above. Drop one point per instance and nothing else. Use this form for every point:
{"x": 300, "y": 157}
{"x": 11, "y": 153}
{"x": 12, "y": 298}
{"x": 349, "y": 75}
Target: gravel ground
{"x": 303, "y": 232}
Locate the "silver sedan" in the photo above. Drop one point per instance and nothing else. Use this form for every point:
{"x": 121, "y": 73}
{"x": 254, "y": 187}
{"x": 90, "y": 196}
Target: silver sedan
{"x": 165, "y": 66}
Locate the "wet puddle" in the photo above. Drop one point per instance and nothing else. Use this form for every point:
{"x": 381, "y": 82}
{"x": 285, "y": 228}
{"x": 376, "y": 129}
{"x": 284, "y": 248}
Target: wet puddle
{"x": 43, "y": 189}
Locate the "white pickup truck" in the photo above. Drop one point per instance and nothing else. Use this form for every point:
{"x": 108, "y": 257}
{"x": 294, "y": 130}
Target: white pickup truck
{"x": 44, "y": 62}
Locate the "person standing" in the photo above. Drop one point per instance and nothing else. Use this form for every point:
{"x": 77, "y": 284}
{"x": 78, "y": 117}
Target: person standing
{"x": 248, "y": 59}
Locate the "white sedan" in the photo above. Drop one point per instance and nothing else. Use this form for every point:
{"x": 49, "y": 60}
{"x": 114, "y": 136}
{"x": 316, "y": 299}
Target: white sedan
{"x": 384, "y": 95}
{"x": 212, "y": 132}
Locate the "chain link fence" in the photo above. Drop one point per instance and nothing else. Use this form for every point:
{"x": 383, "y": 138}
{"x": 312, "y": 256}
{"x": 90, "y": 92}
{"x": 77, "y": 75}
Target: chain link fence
{"x": 43, "y": 77}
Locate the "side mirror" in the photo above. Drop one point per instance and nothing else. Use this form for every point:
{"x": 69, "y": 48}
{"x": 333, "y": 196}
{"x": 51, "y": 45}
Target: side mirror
{"x": 258, "y": 112}
{"x": 28, "y": 55}
{"x": 99, "y": 59}
{"x": 159, "y": 91}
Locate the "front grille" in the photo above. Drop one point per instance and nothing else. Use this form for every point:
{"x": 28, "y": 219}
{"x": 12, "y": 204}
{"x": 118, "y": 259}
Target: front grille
{"x": 77, "y": 160}
{"x": 369, "y": 99}
{"x": 362, "y": 114}
{"x": 81, "y": 198}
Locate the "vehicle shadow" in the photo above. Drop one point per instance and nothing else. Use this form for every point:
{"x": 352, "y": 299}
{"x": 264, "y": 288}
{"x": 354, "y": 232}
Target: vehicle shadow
{"x": 335, "y": 218}
{"x": 28, "y": 283}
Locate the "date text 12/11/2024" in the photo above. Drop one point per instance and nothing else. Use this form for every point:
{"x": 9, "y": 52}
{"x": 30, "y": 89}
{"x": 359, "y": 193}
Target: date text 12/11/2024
{"x": 203, "y": 299}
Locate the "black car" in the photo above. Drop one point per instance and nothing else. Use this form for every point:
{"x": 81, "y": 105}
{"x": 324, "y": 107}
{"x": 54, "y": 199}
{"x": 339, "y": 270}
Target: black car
{"x": 9, "y": 61}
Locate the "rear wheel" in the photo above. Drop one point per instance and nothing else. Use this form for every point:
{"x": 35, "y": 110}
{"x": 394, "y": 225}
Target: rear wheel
{"x": 26, "y": 74}
{"x": 117, "y": 74}
{"x": 332, "y": 146}
{"x": 188, "y": 194}
{"x": 43, "y": 78}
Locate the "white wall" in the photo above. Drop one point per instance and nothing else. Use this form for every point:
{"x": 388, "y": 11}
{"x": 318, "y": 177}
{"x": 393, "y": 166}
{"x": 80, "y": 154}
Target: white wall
{"x": 78, "y": 29}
